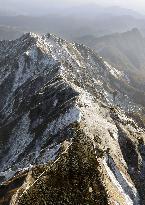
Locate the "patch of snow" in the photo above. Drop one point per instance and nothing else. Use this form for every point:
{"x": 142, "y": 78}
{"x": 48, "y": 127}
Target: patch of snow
{"x": 71, "y": 116}
{"x": 61, "y": 70}
{"x": 8, "y": 174}
{"x": 32, "y": 53}
{"x": 90, "y": 189}
{"x": 125, "y": 188}
{"x": 55, "y": 102}
{"x": 94, "y": 117}
{"x": 19, "y": 140}
{"x": 86, "y": 99}
{"x": 38, "y": 149}
{"x": 50, "y": 154}
{"x": 114, "y": 134}
{"x": 117, "y": 203}
{"x": 109, "y": 97}
{"x": 123, "y": 101}
{"x": 116, "y": 73}
{"x": 98, "y": 82}
{"x": 132, "y": 187}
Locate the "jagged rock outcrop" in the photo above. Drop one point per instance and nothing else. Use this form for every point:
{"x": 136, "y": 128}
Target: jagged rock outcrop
{"x": 71, "y": 126}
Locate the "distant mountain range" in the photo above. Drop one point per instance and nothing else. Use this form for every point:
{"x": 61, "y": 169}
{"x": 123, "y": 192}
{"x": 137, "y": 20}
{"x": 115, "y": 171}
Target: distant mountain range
{"x": 9, "y": 33}
{"x": 126, "y": 51}
{"x": 74, "y": 22}
{"x": 87, "y": 9}
{"x": 94, "y": 10}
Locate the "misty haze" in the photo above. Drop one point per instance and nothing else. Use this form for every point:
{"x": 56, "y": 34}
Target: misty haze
{"x": 72, "y": 102}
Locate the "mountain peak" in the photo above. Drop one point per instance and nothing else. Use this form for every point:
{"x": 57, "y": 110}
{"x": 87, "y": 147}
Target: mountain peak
{"x": 67, "y": 126}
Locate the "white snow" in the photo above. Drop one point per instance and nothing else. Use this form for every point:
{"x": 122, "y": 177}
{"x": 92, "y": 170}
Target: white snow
{"x": 19, "y": 140}
{"x": 8, "y": 174}
{"x": 90, "y": 189}
{"x": 126, "y": 189}
{"x": 50, "y": 154}
{"x": 32, "y": 53}
{"x": 61, "y": 70}
{"x": 55, "y": 102}
{"x": 71, "y": 116}
{"x": 94, "y": 116}
{"x": 116, "y": 73}
{"x": 134, "y": 190}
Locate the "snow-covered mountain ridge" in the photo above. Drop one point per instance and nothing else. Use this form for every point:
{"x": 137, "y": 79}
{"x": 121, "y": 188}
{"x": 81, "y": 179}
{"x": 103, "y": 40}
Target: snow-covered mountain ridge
{"x": 71, "y": 126}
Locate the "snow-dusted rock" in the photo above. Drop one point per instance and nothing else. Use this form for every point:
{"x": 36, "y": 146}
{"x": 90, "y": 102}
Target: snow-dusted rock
{"x": 70, "y": 126}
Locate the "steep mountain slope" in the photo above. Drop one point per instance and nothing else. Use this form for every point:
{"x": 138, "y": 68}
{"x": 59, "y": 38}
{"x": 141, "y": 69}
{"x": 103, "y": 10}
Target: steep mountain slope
{"x": 72, "y": 23}
{"x": 71, "y": 126}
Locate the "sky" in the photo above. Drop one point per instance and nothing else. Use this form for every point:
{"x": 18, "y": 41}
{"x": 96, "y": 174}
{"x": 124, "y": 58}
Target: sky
{"x": 27, "y": 5}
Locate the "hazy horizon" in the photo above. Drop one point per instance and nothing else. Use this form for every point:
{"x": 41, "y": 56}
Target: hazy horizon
{"x": 40, "y": 6}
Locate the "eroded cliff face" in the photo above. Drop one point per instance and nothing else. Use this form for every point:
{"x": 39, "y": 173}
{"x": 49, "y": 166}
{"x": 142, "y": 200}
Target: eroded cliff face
{"x": 71, "y": 126}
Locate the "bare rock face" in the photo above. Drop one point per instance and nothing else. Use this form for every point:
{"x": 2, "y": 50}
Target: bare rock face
{"x": 71, "y": 126}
